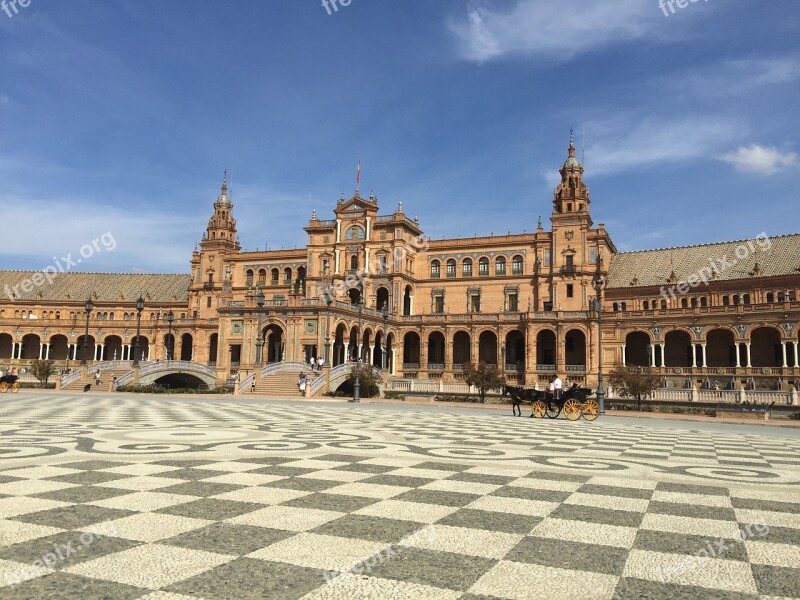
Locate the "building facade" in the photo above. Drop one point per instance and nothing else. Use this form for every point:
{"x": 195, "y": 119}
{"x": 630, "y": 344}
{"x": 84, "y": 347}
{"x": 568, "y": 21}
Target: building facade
{"x": 370, "y": 285}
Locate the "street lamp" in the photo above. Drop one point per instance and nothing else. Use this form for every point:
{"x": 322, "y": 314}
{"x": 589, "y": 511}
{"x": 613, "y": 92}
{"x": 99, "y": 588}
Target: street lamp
{"x": 385, "y": 314}
{"x": 260, "y": 341}
{"x": 169, "y": 344}
{"x": 328, "y": 301}
{"x": 88, "y": 308}
{"x": 139, "y": 309}
{"x": 357, "y": 385}
{"x": 601, "y": 395}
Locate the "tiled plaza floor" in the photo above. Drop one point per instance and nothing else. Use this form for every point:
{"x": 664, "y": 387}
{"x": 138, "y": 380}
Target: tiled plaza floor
{"x": 159, "y": 498}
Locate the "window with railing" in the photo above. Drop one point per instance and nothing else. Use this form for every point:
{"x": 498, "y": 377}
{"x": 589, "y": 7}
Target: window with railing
{"x": 513, "y": 303}
{"x": 435, "y": 269}
{"x": 451, "y": 268}
{"x": 500, "y": 266}
{"x": 262, "y": 277}
{"x": 248, "y": 280}
{"x": 466, "y": 268}
{"x": 483, "y": 267}
{"x": 474, "y": 303}
{"x": 517, "y": 265}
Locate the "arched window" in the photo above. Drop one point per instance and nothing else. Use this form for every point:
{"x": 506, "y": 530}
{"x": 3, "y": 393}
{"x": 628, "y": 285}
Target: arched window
{"x": 725, "y": 301}
{"x": 735, "y": 299}
{"x": 770, "y": 297}
{"x": 517, "y": 265}
{"x": 466, "y": 267}
{"x": 483, "y": 267}
{"x": 435, "y": 269}
{"x": 354, "y": 233}
{"x": 645, "y": 305}
{"x": 287, "y": 275}
{"x": 248, "y": 280}
{"x": 500, "y": 266}
{"x": 684, "y": 303}
{"x": 746, "y": 299}
{"x": 262, "y": 277}
{"x": 622, "y": 306}
{"x": 615, "y": 307}
{"x": 451, "y": 267}
{"x": 703, "y": 301}
{"x": 663, "y": 305}
{"x": 275, "y": 276}
{"x": 354, "y": 262}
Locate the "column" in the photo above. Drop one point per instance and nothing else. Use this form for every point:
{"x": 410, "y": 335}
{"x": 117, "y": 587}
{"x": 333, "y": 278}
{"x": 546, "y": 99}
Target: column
{"x": 703, "y": 354}
{"x": 738, "y": 355}
{"x": 661, "y": 358}
{"x": 623, "y": 355}
{"x": 747, "y": 349}
{"x": 796, "y": 362}
{"x": 783, "y": 347}
{"x": 370, "y": 355}
{"x": 694, "y": 355}
{"x": 41, "y": 351}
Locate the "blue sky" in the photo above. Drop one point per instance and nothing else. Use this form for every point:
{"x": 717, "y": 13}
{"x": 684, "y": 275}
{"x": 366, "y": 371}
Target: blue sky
{"x": 121, "y": 116}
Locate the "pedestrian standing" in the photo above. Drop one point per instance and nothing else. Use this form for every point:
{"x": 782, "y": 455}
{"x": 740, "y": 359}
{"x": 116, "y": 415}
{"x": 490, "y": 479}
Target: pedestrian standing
{"x": 557, "y": 385}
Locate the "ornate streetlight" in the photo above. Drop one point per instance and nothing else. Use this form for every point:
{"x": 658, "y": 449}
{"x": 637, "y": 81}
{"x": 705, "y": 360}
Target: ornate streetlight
{"x": 260, "y": 341}
{"x": 601, "y": 395}
{"x": 88, "y": 308}
{"x": 385, "y": 314}
{"x": 169, "y": 344}
{"x": 139, "y": 309}
{"x": 357, "y": 385}
{"x": 328, "y": 301}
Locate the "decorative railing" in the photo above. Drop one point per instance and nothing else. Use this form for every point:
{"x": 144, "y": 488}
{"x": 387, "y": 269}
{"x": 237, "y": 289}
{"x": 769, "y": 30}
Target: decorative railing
{"x": 173, "y": 366}
{"x": 410, "y": 366}
{"x": 575, "y": 368}
{"x": 435, "y": 367}
{"x": 545, "y": 367}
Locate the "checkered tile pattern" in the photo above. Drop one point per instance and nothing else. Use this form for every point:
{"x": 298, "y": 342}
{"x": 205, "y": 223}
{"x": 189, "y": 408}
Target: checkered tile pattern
{"x": 367, "y": 522}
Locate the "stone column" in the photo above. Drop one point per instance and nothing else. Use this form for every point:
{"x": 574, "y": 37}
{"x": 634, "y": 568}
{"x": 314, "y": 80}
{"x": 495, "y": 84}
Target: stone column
{"x": 623, "y": 355}
{"x": 796, "y": 360}
{"x": 738, "y": 355}
{"x": 783, "y": 347}
{"x": 703, "y": 354}
{"x": 747, "y": 348}
{"x": 694, "y": 355}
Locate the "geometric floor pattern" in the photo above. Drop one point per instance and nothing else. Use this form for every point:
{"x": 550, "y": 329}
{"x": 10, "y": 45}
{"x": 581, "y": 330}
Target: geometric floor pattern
{"x": 176, "y": 499}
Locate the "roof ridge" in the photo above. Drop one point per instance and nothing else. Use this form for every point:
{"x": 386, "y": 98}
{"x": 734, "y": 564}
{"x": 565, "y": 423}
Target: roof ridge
{"x": 771, "y": 237}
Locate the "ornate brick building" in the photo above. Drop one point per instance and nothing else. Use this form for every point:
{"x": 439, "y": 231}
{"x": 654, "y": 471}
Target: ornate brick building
{"x": 370, "y": 284}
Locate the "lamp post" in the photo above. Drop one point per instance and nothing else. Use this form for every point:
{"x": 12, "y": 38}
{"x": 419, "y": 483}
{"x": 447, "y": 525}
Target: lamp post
{"x": 385, "y": 314}
{"x": 260, "y": 340}
{"x": 139, "y": 309}
{"x": 328, "y": 301}
{"x": 601, "y": 395}
{"x": 169, "y": 345}
{"x": 88, "y": 308}
{"x": 357, "y": 385}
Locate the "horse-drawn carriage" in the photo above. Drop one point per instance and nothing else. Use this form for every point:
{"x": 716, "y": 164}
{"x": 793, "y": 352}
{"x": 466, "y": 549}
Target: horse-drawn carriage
{"x": 574, "y": 402}
{"x": 9, "y": 382}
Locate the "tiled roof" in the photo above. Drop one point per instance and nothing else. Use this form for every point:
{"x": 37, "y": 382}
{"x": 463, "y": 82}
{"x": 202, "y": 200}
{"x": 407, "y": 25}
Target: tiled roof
{"x": 775, "y": 256}
{"x": 109, "y": 287}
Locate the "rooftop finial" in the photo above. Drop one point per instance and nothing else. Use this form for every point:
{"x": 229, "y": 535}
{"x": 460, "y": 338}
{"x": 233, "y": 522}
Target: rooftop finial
{"x": 400, "y": 206}
{"x": 539, "y": 226}
{"x": 313, "y": 215}
{"x": 571, "y": 143}
{"x": 225, "y": 183}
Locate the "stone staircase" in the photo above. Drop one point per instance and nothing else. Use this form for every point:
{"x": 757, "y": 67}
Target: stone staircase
{"x": 105, "y": 379}
{"x": 282, "y": 384}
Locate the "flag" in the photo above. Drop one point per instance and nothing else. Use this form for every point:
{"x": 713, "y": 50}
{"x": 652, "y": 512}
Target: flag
{"x": 358, "y": 173}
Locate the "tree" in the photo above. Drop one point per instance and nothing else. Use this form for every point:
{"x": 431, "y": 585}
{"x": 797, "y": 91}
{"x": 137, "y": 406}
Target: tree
{"x": 368, "y": 383}
{"x": 633, "y": 382}
{"x": 484, "y": 377}
{"x": 43, "y": 369}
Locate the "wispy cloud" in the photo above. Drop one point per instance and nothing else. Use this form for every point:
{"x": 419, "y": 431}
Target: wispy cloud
{"x": 532, "y": 27}
{"x": 763, "y": 160}
{"x": 625, "y": 143}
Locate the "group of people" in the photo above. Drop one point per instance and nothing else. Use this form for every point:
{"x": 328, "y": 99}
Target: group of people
{"x": 11, "y": 371}
{"x": 316, "y": 364}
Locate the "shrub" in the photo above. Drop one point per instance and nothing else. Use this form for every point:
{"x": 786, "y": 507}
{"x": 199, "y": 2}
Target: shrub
{"x": 394, "y": 396}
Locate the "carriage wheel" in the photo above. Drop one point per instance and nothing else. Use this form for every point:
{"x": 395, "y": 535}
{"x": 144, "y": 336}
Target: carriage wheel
{"x": 538, "y": 409}
{"x": 590, "y": 410}
{"x": 15, "y": 388}
{"x": 3, "y": 387}
{"x": 553, "y": 410}
{"x": 572, "y": 409}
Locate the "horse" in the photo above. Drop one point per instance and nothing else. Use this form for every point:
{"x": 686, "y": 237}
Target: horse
{"x": 518, "y": 396}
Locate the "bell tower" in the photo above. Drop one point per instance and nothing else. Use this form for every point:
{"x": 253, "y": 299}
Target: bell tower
{"x": 221, "y": 231}
{"x": 571, "y": 196}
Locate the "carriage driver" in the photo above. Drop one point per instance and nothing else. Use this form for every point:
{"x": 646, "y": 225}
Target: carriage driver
{"x": 557, "y": 385}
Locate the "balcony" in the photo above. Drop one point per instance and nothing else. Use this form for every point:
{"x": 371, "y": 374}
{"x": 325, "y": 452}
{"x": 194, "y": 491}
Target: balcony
{"x": 568, "y": 270}
{"x": 546, "y": 368}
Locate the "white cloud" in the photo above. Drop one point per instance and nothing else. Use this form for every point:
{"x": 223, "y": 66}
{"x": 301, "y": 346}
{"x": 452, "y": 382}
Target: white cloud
{"x": 533, "y": 27}
{"x": 625, "y": 143}
{"x": 764, "y": 160}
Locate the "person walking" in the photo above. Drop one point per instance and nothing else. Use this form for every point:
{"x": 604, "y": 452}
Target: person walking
{"x": 320, "y": 362}
{"x": 97, "y": 377}
{"x": 302, "y": 384}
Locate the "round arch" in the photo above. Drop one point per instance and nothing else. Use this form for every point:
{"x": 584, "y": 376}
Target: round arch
{"x": 638, "y": 345}
{"x": 462, "y": 351}
{"x": 765, "y": 347}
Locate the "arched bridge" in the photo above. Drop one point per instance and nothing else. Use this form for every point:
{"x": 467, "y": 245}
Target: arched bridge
{"x": 151, "y": 372}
